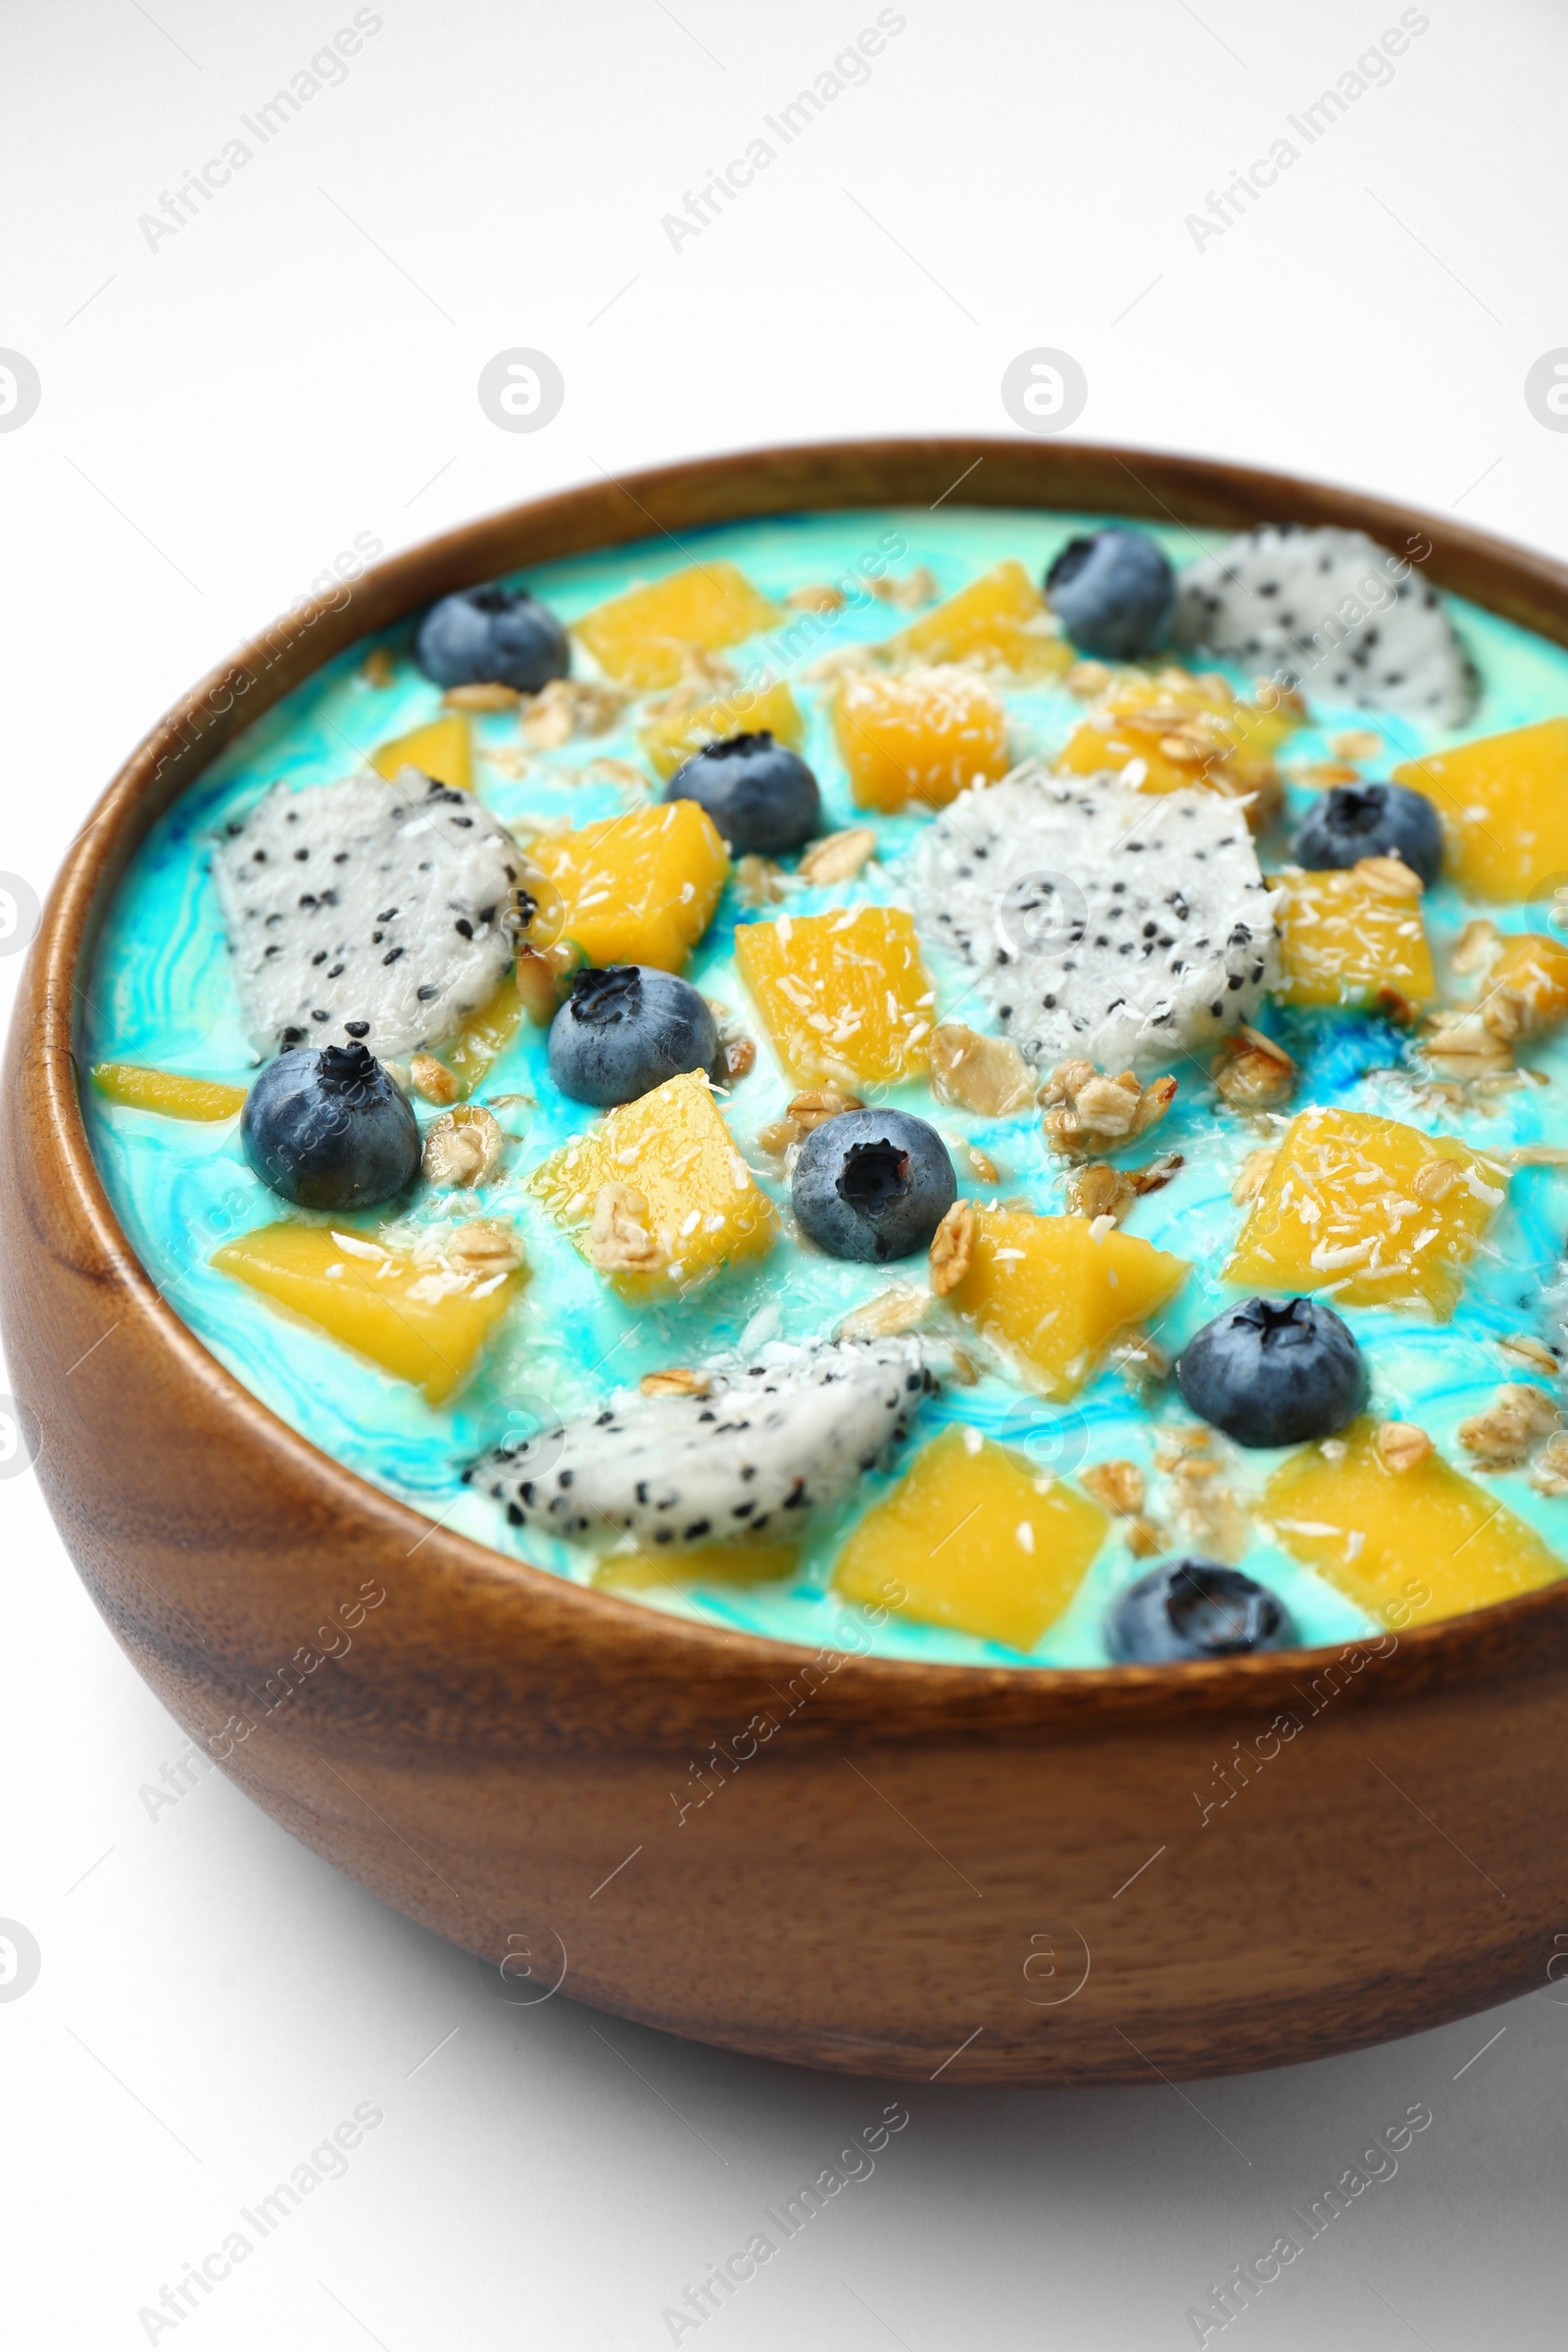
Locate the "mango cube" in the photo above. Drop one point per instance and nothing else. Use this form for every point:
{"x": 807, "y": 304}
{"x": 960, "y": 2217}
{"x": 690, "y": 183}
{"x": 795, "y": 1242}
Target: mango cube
{"x": 1347, "y": 934}
{"x": 422, "y": 1323}
{"x": 485, "y": 1035}
{"x": 166, "y": 1091}
{"x": 443, "y": 750}
{"x": 1001, "y": 620}
{"x": 973, "y": 1537}
{"x": 639, "y": 888}
{"x": 1408, "y": 1546}
{"x": 1531, "y": 975}
{"x": 645, "y": 638}
{"x": 921, "y": 735}
{"x": 673, "y": 736}
{"x": 1373, "y": 1210}
{"x": 842, "y": 996}
{"x": 1181, "y": 729}
{"x": 741, "y": 1563}
{"x": 695, "y": 1208}
{"x": 1054, "y": 1293}
{"x": 1504, "y": 808}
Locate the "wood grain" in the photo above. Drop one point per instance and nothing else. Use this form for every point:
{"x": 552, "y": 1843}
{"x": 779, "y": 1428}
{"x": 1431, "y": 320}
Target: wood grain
{"x": 896, "y": 1859}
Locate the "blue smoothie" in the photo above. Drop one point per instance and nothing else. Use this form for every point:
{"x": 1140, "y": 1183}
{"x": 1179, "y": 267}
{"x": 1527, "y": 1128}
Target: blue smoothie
{"x": 162, "y": 993}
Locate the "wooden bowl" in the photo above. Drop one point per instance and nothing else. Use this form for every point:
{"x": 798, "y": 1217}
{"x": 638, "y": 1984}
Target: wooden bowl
{"x": 860, "y": 1863}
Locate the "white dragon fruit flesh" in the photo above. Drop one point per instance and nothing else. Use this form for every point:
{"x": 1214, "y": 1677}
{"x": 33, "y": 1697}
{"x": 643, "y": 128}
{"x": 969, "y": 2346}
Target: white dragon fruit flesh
{"x": 366, "y": 909}
{"x": 1331, "y": 611}
{"x": 767, "y": 1445}
{"x": 1109, "y": 924}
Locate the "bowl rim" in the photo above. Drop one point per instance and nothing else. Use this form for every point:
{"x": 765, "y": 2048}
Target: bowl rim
{"x": 733, "y": 486}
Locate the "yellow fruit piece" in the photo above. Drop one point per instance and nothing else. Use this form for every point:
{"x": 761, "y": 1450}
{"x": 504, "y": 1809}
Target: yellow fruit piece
{"x": 1504, "y": 808}
{"x": 639, "y": 888}
{"x": 1408, "y": 1546}
{"x": 921, "y": 735}
{"x": 1184, "y": 730}
{"x": 425, "y": 1324}
{"x": 1053, "y": 1295}
{"x": 1344, "y": 935}
{"x": 703, "y": 1564}
{"x": 485, "y": 1035}
{"x": 1001, "y": 620}
{"x": 167, "y": 1091}
{"x": 841, "y": 996}
{"x": 673, "y": 736}
{"x": 443, "y": 750}
{"x": 974, "y": 1539}
{"x": 645, "y": 637}
{"x": 1373, "y": 1210}
{"x": 1532, "y": 970}
{"x": 670, "y": 1147}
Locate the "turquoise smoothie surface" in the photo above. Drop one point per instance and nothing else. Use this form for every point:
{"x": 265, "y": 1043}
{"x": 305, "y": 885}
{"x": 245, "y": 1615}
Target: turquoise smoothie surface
{"x": 162, "y": 994}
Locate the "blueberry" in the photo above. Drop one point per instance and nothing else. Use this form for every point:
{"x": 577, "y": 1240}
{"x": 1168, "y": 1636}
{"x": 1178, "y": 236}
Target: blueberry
{"x": 1372, "y": 820}
{"x": 1274, "y": 1372}
{"x": 1195, "y": 1609}
{"x": 492, "y": 636}
{"x": 872, "y": 1184}
{"x": 1114, "y": 594}
{"x": 760, "y": 795}
{"x": 624, "y": 1030}
{"x": 330, "y": 1129}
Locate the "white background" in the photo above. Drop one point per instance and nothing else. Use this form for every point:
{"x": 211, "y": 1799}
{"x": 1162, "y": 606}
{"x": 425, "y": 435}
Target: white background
{"x": 221, "y": 416}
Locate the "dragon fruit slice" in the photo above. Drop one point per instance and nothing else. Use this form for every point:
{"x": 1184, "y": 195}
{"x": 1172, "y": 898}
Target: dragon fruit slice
{"x": 763, "y": 1449}
{"x": 1328, "y": 609}
{"x": 1113, "y": 925}
{"x": 366, "y": 909}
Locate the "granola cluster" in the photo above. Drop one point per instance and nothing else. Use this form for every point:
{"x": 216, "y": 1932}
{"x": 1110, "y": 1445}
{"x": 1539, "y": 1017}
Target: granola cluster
{"x": 1088, "y": 1113}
